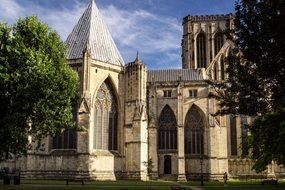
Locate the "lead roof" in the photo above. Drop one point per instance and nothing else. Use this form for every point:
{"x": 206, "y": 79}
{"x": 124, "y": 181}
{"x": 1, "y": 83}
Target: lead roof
{"x": 171, "y": 75}
{"x": 92, "y": 32}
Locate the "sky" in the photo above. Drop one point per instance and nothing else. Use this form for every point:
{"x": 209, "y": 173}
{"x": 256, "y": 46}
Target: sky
{"x": 153, "y": 28}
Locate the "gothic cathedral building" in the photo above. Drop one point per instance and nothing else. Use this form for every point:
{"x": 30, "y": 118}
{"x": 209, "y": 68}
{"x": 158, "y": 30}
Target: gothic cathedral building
{"x": 131, "y": 116}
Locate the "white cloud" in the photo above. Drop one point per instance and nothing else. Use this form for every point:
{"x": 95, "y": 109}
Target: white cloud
{"x": 157, "y": 38}
{"x": 62, "y": 20}
{"x": 10, "y": 10}
{"x": 149, "y": 33}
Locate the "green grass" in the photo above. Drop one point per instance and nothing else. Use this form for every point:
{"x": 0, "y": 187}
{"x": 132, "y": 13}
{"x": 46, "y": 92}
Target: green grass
{"x": 236, "y": 185}
{"x": 136, "y": 185}
{"x": 94, "y": 185}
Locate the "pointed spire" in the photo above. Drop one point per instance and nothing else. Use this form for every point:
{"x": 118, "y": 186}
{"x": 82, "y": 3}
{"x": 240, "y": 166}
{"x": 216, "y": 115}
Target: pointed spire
{"x": 137, "y": 60}
{"x": 92, "y": 31}
{"x": 137, "y": 57}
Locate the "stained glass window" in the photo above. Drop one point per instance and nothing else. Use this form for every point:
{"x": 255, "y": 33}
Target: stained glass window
{"x": 167, "y": 132}
{"x": 194, "y": 132}
{"x": 105, "y": 119}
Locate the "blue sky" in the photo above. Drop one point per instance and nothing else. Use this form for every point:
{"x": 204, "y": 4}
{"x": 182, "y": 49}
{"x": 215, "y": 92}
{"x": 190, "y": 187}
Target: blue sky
{"x": 152, "y": 27}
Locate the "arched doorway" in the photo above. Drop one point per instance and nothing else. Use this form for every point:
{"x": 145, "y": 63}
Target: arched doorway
{"x": 167, "y": 164}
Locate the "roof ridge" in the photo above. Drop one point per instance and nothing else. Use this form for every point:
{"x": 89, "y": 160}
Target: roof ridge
{"x": 178, "y": 69}
{"x": 168, "y": 75}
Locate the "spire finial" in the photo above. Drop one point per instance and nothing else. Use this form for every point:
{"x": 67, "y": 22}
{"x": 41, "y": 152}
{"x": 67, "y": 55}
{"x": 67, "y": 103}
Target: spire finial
{"x": 137, "y": 58}
{"x": 92, "y": 2}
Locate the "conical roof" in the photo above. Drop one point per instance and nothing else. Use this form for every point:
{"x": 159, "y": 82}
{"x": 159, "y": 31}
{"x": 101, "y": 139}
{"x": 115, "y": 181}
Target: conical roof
{"x": 92, "y": 32}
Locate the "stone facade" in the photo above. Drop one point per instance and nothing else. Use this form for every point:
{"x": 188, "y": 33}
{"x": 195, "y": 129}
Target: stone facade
{"x": 163, "y": 115}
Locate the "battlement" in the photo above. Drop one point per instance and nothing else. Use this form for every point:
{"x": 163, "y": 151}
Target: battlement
{"x": 207, "y": 17}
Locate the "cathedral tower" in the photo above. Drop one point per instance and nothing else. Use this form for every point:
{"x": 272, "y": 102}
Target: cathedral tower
{"x": 136, "y": 136}
{"x": 203, "y": 38}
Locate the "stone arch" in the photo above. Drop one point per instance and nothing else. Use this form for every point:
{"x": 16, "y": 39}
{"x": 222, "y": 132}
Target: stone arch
{"x": 167, "y": 129}
{"x": 194, "y": 131}
{"x": 228, "y": 51}
{"x": 112, "y": 83}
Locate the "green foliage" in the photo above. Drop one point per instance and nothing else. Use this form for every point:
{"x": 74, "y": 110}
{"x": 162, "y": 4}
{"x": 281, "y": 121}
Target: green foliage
{"x": 256, "y": 83}
{"x": 37, "y": 86}
{"x": 149, "y": 165}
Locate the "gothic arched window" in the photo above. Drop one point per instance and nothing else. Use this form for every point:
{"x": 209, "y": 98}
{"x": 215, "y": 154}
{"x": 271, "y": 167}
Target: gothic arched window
{"x": 167, "y": 131}
{"x": 201, "y": 51}
{"x": 105, "y": 119}
{"x": 222, "y": 68}
{"x": 194, "y": 132}
{"x": 219, "y": 41}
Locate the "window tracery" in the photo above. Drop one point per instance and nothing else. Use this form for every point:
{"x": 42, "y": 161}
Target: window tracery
{"x": 106, "y": 119}
{"x": 194, "y": 132}
{"x": 167, "y": 139}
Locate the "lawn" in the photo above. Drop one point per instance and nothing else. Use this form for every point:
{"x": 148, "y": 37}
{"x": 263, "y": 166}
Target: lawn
{"x": 94, "y": 185}
{"x": 236, "y": 185}
{"x": 136, "y": 185}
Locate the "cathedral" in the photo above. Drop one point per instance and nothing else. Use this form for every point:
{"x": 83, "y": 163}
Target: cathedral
{"x": 138, "y": 123}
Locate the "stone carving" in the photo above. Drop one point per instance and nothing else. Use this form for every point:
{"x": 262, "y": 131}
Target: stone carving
{"x": 140, "y": 110}
{"x": 85, "y": 103}
{"x": 152, "y": 120}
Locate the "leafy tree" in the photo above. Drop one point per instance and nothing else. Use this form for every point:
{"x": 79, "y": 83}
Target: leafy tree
{"x": 37, "y": 86}
{"x": 256, "y": 80}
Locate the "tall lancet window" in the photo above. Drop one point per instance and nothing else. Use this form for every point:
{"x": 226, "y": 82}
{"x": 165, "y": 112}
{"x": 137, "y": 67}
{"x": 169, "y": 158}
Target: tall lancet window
{"x": 201, "y": 51}
{"x": 222, "y": 68}
{"x": 219, "y": 41}
{"x": 105, "y": 119}
{"x": 194, "y": 132}
{"x": 167, "y": 131}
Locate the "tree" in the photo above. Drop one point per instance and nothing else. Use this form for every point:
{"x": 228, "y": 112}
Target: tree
{"x": 38, "y": 88}
{"x": 256, "y": 78}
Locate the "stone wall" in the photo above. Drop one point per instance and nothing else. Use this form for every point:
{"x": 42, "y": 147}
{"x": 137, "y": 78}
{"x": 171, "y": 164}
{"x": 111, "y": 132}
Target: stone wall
{"x": 242, "y": 169}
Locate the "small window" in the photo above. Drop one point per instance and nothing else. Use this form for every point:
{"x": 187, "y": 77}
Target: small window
{"x": 193, "y": 93}
{"x": 167, "y": 93}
